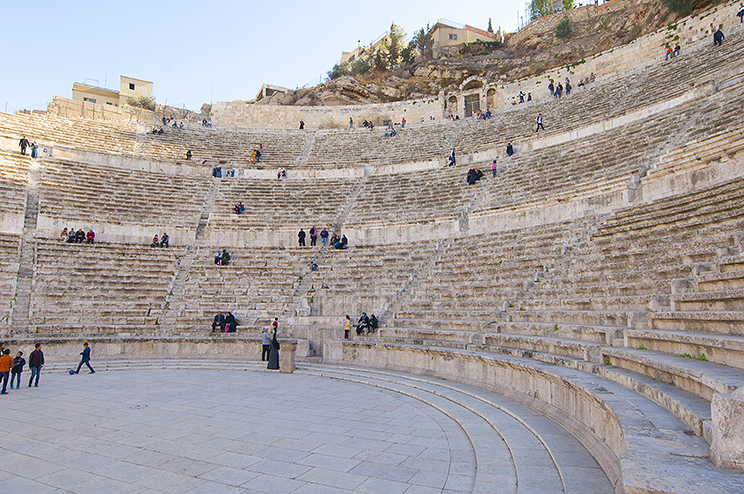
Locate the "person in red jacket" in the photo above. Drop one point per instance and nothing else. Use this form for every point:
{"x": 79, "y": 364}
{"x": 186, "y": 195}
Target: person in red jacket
{"x": 90, "y": 237}
{"x": 6, "y": 363}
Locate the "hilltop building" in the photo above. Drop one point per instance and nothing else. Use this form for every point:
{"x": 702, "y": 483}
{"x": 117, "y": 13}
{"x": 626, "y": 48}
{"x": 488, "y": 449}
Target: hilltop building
{"x": 128, "y": 87}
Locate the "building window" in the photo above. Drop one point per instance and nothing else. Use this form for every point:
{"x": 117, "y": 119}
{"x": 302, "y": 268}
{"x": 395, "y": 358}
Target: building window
{"x": 453, "y": 36}
{"x": 89, "y": 100}
{"x": 131, "y": 86}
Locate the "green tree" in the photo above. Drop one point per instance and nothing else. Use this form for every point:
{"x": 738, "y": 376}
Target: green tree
{"x": 378, "y": 60}
{"x": 490, "y": 26}
{"x": 423, "y": 42}
{"x": 540, "y": 8}
{"x": 568, "y": 4}
{"x": 394, "y": 45}
{"x": 408, "y": 54}
{"x": 338, "y": 70}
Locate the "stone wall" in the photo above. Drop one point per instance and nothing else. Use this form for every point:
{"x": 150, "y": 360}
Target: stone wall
{"x": 65, "y": 107}
{"x": 242, "y": 114}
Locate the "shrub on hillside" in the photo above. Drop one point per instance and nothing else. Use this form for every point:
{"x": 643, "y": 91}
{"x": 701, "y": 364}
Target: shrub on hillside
{"x": 681, "y": 7}
{"x": 563, "y": 29}
{"x": 146, "y": 102}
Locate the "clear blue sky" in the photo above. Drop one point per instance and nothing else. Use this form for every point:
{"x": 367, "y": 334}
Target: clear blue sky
{"x": 185, "y": 48}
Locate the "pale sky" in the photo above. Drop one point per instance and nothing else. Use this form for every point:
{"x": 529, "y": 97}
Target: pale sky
{"x": 195, "y": 52}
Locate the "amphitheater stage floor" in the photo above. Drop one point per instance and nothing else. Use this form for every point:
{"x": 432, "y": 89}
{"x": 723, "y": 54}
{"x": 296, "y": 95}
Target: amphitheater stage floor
{"x": 323, "y": 429}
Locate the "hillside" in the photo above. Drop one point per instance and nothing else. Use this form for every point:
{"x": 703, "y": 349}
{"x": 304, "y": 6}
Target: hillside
{"x": 528, "y": 52}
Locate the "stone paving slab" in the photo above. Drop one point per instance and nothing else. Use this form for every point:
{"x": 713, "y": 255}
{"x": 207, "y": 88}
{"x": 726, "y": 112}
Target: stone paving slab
{"x": 178, "y": 431}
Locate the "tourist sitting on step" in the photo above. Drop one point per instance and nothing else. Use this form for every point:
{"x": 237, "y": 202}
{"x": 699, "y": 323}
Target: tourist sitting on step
{"x": 362, "y": 323}
{"x": 90, "y": 236}
{"x": 80, "y": 236}
{"x": 218, "y": 258}
{"x": 71, "y": 235}
{"x": 188, "y": 154}
{"x": 373, "y": 324}
{"x": 155, "y": 241}
{"x": 313, "y": 266}
{"x": 218, "y": 325}
{"x": 164, "y": 240}
{"x": 239, "y": 207}
{"x": 509, "y": 149}
{"x": 225, "y": 259}
{"x": 281, "y": 173}
{"x": 390, "y": 132}
{"x": 217, "y": 171}
{"x": 669, "y": 53}
{"x": 63, "y": 235}
{"x": 230, "y": 323}
{"x": 343, "y": 243}
{"x": 335, "y": 239}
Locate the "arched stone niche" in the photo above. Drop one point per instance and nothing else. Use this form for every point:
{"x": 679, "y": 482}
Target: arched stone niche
{"x": 475, "y": 93}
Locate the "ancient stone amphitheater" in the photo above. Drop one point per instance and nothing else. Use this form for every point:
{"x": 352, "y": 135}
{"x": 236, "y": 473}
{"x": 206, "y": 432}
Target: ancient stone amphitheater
{"x": 598, "y": 279}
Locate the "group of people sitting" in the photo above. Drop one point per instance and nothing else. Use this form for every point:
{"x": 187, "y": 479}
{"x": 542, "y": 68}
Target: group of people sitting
{"x": 368, "y": 125}
{"x": 206, "y": 123}
{"x": 163, "y": 241}
{"x": 521, "y": 97}
{"x": 224, "y": 323}
{"x": 339, "y": 243}
{"x": 77, "y": 237}
{"x": 483, "y": 115}
{"x": 364, "y": 323}
{"x": 239, "y": 207}
{"x": 672, "y": 52}
{"x": 175, "y": 125}
{"x": 474, "y": 175}
{"x": 390, "y": 131}
{"x": 222, "y": 258}
{"x": 158, "y": 131}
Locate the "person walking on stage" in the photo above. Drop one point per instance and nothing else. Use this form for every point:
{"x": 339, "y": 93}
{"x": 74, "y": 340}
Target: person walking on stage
{"x": 85, "y": 359}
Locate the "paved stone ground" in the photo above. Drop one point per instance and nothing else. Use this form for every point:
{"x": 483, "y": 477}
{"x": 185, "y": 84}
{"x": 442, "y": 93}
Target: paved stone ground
{"x": 222, "y": 431}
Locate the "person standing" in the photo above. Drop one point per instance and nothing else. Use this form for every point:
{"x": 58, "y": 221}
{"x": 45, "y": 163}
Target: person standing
{"x": 15, "y": 374}
{"x": 85, "y": 359}
{"x": 24, "y": 144}
{"x": 347, "y": 327}
{"x": 495, "y": 168}
{"x": 275, "y": 325}
{"x": 301, "y": 237}
{"x": 313, "y": 236}
{"x": 266, "y": 344}
{"x": 6, "y": 363}
{"x": 452, "y": 160}
{"x": 274, "y": 353}
{"x": 35, "y": 363}
{"x": 539, "y": 122}
{"x": 718, "y": 36}
{"x": 741, "y": 12}
{"x": 351, "y": 123}
{"x": 324, "y": 236}
{"x": 509, "y": 149}
{"x": 34, "y": 150}
{"x": 302, "y": 124}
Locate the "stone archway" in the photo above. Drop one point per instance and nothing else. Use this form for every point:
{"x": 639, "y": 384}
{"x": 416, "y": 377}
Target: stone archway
{"x": 452, "y": 105}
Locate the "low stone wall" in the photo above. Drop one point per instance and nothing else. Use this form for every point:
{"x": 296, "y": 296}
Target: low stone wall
{"x": 252, "y": 116}
{"x": 223, "y": 346}
{"x": 562, "y": 400}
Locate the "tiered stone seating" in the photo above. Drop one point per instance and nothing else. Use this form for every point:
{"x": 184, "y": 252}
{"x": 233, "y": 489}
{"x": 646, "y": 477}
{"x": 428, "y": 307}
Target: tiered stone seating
{"x": 234, "y": 146}
{"x": 608, "y": 158}
{"x": 100, "y": 288}
{"x": 608, "y": 97}
{"x": 365, "y": 278}
{"x": 257, "y": 285}
{"x": 9, "y": 245}
{"x": 413, "y": 197}
{"x": 82, "y": 192}
{"x": 13, "y": 182}
{"x": 81, "y": 134}
{"x": 412, "y": 144}
{"x": 278, "y": 204}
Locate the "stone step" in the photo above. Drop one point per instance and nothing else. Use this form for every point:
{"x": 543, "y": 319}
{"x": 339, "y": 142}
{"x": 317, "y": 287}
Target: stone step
{"x": 714, "y": 322}
{"x": 722, "y": 349}
{"x": 700, "y": 378}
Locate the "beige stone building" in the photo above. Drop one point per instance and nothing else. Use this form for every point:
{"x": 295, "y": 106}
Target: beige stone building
{"x": 448, "y": 33}
{"x": 128, "y": 87}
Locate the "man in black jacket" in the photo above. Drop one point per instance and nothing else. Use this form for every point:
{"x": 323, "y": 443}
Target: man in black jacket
{"x": 85, "y": 359}
{"x": 35, "y": 362}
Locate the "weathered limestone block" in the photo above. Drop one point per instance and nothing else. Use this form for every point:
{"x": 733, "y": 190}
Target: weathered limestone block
{"x": 727, "y": 447}
{"x": 287, "y": 356}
